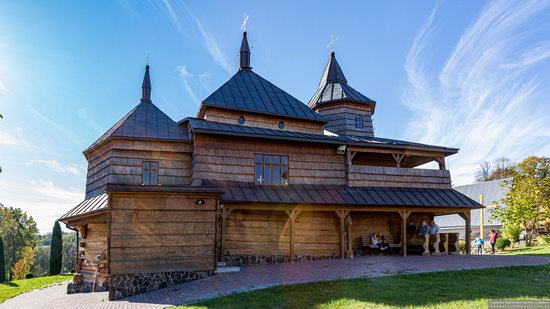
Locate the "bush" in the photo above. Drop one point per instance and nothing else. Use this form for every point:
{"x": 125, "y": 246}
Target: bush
{"x": 511, "y": 232}
{"x": 462, "y": 246}
{"x": 503, "y": 243}
{"x": 29, "y": 276}
{"x": 543, "y": 240}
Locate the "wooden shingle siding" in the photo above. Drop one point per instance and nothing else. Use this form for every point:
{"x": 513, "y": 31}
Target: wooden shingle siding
{"x": 341, "y": 119}
{"x": 376, "y": 176}
{"x": 95, "y": 244}
{"x": 216, "y": 158}
{"x": 120, "y": 162}
{"x": 262, "y": 121}
{"x": 153, "y": 233}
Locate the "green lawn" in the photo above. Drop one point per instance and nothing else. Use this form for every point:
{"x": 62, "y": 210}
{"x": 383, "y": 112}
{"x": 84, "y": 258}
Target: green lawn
{"x": 532, "y": 250}
{"x": 450, "y": 289}
{"x": 16, "y": 287}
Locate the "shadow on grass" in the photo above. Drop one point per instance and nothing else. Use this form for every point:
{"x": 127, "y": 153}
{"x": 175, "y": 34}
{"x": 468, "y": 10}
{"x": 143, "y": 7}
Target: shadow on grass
{"x": 430, "y": 289}
{"x": 9, "y": 283}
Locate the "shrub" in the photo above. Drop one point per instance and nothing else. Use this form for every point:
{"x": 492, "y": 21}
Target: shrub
{"x": 462, "y": 246}
{"x": 503, "y": 243}
{"x": 543, "y": 240}
{"x": 511, "y": 232}
{"x": 29, "y": 276}
{"x": 56, "y": 250}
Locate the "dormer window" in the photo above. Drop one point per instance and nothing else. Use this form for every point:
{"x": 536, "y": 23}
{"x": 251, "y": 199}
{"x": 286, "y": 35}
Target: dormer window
{"x": 150, "y": 173}
{"x": 358, "y": 122}
{"x": 271, "y": 170}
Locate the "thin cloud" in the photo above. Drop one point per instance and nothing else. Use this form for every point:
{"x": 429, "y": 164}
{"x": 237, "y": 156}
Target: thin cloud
{"x": 55, "y": 125}
{"x": 485, "y": 98}
{"x": 185, "y": 80}
{"x": 71, "y": 169}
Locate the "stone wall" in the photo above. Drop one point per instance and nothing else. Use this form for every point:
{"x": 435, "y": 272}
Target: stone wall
{"x": 127, "y": 285}
{"x": 87, "y": 287}
{"x": 252, "y": 259}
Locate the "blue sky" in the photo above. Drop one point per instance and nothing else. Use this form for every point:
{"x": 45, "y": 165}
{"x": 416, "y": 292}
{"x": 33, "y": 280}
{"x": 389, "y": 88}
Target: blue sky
{"x": 473, "y": 75}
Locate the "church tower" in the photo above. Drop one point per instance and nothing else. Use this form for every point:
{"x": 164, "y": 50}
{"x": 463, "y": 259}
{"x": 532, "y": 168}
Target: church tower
{"x": 347, "y": 110}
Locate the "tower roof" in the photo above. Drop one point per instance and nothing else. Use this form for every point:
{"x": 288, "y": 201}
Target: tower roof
{"x": 248, "y": 91}
{"x": 334, "y": 87}
{"x": 145, "y": 121}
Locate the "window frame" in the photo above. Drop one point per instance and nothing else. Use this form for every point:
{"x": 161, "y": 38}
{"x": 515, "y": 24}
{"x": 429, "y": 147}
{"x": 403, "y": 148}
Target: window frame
{"x": 280, "y": 166}
{"x": 359, "y": 122}
{"x": 150, "y": 170}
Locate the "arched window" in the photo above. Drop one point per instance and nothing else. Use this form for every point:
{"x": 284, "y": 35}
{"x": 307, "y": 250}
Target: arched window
{"x": 358, "y": 122}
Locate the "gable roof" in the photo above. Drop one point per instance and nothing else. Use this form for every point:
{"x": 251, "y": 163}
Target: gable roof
{"x": 248, "y": 91}
{"x": 334, "y": 86}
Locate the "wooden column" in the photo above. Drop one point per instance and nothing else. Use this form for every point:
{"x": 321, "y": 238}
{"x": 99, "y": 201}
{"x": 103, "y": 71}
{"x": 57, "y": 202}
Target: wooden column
{"x": 292, "y": 215}
{"x": 441, "y": 162}
{"x": 468, "y": 230}
{"x": 342, "y": 214}
{"x": 398, "y": 158}
{"x": 224, "y": 214}
{"x": 404, "y": 216}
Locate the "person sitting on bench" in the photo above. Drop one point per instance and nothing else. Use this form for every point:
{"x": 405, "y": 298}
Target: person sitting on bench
{"x": 375, "y": 240}
{"x": 411, "y": 229}
{"x": 423, "y": 228}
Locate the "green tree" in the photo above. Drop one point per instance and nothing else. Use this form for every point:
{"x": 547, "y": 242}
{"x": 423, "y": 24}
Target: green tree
{"x": 41, "y": 262}
{"x": 527, "y": 199}
{"x": 18, "y": 231}
{"x": 69, "y": 251}
{"x": 56, "y": 250}
{"x": 2, "y": 262}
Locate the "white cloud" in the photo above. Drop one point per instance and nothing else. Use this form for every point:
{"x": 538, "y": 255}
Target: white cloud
{"x": 56, "y": 126}
{"x": 186, "y": 76}
{"x": 14, "y": 138}
{"x": 42, "y": 199}
{"x": 485, "y": 99}
{"x": 72, "y": 169}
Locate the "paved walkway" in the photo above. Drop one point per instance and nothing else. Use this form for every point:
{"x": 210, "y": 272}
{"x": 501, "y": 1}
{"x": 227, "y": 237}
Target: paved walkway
{"x": 262, "y": 276}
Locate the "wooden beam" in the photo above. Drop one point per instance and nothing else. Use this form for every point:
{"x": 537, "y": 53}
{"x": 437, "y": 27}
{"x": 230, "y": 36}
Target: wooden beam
{"x": 466, "y": 215}
{"x": 292, "y": 215}
{"x": 224, "y": 214}
{"x": 404, "y": 216}
{"x": 398, "y": 158}
{"x": 311, "y": 207}
{"x": 441, "y": 162}
{"x": 342, "y": 214}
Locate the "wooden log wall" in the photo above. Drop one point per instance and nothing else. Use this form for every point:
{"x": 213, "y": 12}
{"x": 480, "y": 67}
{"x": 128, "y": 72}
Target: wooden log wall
{"x": 262, "y": 121}
{"x": 317, "y": 233}
{"x": 361, "y": 175}
{"x": 94, "y": 244}
{"x": 120, "y": 162}
{"x": 218, "y": 158}
{"x": 153, "y": 233}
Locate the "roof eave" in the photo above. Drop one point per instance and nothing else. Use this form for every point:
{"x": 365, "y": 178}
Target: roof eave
{"x": 204, "y": 105}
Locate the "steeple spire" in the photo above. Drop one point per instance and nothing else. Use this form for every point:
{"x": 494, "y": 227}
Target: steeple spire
{"x": 244, "y": 55}
{"x": 146, "y": 86}
{"x": 333, "y": 73}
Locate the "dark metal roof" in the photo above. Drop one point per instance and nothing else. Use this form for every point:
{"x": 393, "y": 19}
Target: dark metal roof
{"x": 91, "y": 205}
{"x": 167, "y": 189}
{"x": 210, "y": 127}
{"x": 240, "y": 192}
{"x": 334, "y": 87}
{"x": 145, "y": 121}
{"x": 248, "y": 91}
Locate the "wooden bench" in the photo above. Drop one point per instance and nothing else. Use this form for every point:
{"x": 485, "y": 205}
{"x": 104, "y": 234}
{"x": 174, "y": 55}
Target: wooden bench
{"x": 366, "y": 243}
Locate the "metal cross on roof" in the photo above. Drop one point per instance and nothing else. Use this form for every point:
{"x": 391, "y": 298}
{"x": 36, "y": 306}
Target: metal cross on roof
{"x": 245, "y": 21}
{"x": 333, "y": 40}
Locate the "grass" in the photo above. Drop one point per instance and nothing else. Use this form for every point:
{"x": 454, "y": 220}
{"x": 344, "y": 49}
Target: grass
{"x": 449, "y": 289}
{"x": 13, "y": 288}
{"x": 541, "y": 250}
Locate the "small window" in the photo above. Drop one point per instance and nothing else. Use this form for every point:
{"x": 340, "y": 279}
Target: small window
{"x": 271, "y": 170}
{"x": 281, "y": 125}
{"x": 242, "y": 120}
{"x": 358, "y": 121}
{"x": 150, "y": 173}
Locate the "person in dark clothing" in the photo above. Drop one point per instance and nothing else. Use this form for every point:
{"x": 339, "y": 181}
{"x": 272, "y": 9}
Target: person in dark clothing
{"x": 411, "y": 229}
{"x": 422, "y": 229}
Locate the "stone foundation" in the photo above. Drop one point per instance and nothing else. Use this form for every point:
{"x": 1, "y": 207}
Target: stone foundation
{"x": 86, "y": 287}
{"x": 121, "y": 286}
{"x": 252, "y": 259}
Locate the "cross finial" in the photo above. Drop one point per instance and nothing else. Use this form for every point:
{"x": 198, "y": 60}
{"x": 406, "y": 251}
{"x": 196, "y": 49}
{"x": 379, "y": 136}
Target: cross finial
{"x": 332, "y": 42}
{"x": 245, "y": 21}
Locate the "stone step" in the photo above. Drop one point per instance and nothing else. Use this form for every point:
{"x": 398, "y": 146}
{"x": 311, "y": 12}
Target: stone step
{"x": 228, "y": 269}
{"x": 221, "y": 264}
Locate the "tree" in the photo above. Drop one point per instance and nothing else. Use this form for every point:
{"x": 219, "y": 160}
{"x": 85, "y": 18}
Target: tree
{"x": 69, "y": 252}
{"x": 18, "y": 231}
{"x": 56, "y": 250}
{"x": 527, "y": 199}
{"x": 23, "y": 265}
{"x": 41, "y": 263}
{"x": 2, "y": 262}
{"x": 500, "y": 168}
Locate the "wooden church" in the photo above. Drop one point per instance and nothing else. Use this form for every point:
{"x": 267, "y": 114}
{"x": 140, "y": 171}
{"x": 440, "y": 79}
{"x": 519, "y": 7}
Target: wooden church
{"x": 256, "y": 177}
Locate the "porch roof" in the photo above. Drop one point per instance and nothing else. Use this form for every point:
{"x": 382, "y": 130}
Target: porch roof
{"x": 88, "y": 206}
{"x": 238, "y": 192}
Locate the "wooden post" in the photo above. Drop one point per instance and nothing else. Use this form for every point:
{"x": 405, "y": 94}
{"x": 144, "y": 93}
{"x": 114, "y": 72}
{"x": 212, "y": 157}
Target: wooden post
{"x": 224, "y": 215}
{"x": 404, "y": 216}
{"x": 292, "y": 215}
{"x": 342, "y": 214}
{"x": 350, "y": 239}
{"x": 481, "y": 219}
{"x": 441, "y": 162}
{"x": 468, "y": 230}
{"x": 398, "y": 158}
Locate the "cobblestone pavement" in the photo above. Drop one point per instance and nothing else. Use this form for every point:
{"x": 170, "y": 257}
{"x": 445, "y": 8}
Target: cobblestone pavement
{"x": 262, "y": 276}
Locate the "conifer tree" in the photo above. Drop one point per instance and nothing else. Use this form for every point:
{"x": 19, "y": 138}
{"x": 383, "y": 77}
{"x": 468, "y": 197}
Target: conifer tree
{"x": 2, "y": 262}
{"x": 56, "y": 249}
